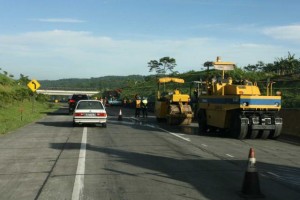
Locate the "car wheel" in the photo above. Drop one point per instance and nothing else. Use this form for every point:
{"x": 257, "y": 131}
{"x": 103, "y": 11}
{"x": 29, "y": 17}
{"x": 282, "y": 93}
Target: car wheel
{"x": 74, "y": 124}
{"x": 104, "y": 125}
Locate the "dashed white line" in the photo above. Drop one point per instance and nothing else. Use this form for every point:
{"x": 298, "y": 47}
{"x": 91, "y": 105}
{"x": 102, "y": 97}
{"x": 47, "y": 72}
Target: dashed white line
{"x": 273, "y": 174}
{"x": 204, "y": 145}
{"x": 231, "y": 156}
{"x": 176, "y": 135}
{"x": 79, "y": 178}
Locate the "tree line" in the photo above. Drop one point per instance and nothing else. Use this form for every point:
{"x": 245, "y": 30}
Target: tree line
{"x": 281, "y": 66}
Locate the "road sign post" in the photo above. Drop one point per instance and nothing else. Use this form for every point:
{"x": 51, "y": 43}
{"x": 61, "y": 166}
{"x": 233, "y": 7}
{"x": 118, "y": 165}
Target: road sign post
{"x": 33, "y": 85}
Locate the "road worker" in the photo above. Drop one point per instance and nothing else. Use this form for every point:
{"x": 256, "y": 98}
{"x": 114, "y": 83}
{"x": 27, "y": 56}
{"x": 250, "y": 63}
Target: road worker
{"x": 144, "y": 107}
{"x": 137, "y": 106}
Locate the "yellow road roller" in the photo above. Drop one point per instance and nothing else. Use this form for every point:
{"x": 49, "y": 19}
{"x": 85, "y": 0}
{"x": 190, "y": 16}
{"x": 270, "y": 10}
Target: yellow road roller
{"x": 238, "y": 109}
{"x": 171, "y": 105}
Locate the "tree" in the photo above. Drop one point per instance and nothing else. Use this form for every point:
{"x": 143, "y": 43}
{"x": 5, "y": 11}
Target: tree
{"x": 163, "y": 65}
{"x": 168, "y": 64}
{"x": 270, "y": 67}
{"x": 257, "y": 67}
{"x": 23, "y": 80}
{"x": 154, "y": 65}
{"x": 287, "y": 65}
{"x": 208, "y": 64}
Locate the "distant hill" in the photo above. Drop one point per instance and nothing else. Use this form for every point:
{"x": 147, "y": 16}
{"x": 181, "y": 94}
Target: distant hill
{"x": 106, "y": 82}
{"x": 146, "y": 85}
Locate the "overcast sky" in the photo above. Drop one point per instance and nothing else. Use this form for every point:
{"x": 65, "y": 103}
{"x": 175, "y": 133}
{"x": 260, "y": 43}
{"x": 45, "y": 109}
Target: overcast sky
{"x": 55, "y": 39}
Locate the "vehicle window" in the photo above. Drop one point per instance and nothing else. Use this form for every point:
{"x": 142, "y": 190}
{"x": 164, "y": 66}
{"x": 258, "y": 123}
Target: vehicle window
{"x": 89, "y": 105}
{"x": 80, "y": 97}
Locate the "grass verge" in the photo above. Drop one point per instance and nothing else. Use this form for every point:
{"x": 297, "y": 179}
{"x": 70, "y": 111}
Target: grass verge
{"x": 18, "y": 114}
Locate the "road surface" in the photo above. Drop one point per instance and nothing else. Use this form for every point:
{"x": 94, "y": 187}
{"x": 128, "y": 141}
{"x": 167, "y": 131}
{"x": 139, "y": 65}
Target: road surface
{"x": 138, "y": 159}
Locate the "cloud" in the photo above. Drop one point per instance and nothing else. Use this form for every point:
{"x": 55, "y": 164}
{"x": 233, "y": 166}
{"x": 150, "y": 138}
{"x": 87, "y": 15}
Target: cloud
{"x": 79, "y": 54}
{"x": 59, "y": 20}
{"x": 288, "y": 33}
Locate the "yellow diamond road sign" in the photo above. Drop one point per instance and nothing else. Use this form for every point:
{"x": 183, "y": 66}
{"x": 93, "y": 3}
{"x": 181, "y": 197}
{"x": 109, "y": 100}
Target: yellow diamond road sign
{"x": 34, "y": 85}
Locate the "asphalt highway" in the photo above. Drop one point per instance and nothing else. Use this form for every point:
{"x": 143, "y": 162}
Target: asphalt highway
{"x": 138, "y": 159}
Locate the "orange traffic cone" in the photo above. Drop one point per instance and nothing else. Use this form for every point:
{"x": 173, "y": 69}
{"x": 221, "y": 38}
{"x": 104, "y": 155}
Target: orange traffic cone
{"x": 251, "y": 186}
{"x": 120, "y": 115}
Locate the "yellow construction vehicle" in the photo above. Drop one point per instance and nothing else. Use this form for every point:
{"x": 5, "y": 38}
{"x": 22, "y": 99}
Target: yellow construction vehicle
{"x": 238, "y": 109}
{"x": 172, "y": 106}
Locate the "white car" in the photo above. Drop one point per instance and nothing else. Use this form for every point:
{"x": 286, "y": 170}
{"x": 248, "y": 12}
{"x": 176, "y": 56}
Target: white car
{"x": 89, "y": 112}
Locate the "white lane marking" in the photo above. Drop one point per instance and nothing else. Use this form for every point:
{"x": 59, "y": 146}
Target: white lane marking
{"x": 273, "y": 174}
{"x": 176, "y": 135}
{"x": 204, "y": 145}
{"x": 79, "y": 179}
{"x": 231, "y": 156}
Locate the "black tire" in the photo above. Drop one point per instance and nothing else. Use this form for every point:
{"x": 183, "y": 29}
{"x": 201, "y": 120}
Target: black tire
{"x": 159, "y": 120}
{"x": 237, "y": 129}
{"x": 254, "y": 134}
{"x": 104, "y": 125}
{"x": 202, "y": 121}
{"x": 275, "y": 134}
{"x": 265, "y": 134}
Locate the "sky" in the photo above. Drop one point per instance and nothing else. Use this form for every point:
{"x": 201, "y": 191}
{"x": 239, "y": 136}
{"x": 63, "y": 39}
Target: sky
{"x": 57, "y": 39}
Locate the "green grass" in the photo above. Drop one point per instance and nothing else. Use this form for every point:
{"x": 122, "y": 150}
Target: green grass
{"x": 18, "y": 114}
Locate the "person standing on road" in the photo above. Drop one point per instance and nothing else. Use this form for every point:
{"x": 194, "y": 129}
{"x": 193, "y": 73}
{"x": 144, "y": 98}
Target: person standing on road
{"x": 137, "y": 106}
{"x": 144, "y": 107}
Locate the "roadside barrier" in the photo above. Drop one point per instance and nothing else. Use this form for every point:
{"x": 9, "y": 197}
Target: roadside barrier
{"x": 251, "y": 187}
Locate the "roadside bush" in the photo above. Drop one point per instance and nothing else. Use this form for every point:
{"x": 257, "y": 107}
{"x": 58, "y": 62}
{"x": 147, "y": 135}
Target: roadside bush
{"x": 5, "y": 98}
{"x": 21, "y": 94}
{"x": 42, "y": 98}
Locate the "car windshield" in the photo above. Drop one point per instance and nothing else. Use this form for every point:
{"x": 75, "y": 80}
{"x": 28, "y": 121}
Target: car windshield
{"x": 89, "y": 105}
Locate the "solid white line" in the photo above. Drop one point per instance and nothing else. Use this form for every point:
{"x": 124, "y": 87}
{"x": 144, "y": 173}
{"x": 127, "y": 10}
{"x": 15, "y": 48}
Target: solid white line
{"x": 231, "y": 156}
{"x": 79, "y": 179}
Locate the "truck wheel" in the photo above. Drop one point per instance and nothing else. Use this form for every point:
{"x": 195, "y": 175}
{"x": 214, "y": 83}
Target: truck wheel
{"x": 254, "y": 134}
{"x": 276, "y": 133}
{"x": 239, "y": 126}
{"x": 265, "y": 134}
{"x": 202, "y": 121}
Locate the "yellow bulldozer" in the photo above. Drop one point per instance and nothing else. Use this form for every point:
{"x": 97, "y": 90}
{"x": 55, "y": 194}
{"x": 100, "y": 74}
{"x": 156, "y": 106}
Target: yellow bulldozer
{"x": 171, "y": 105}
